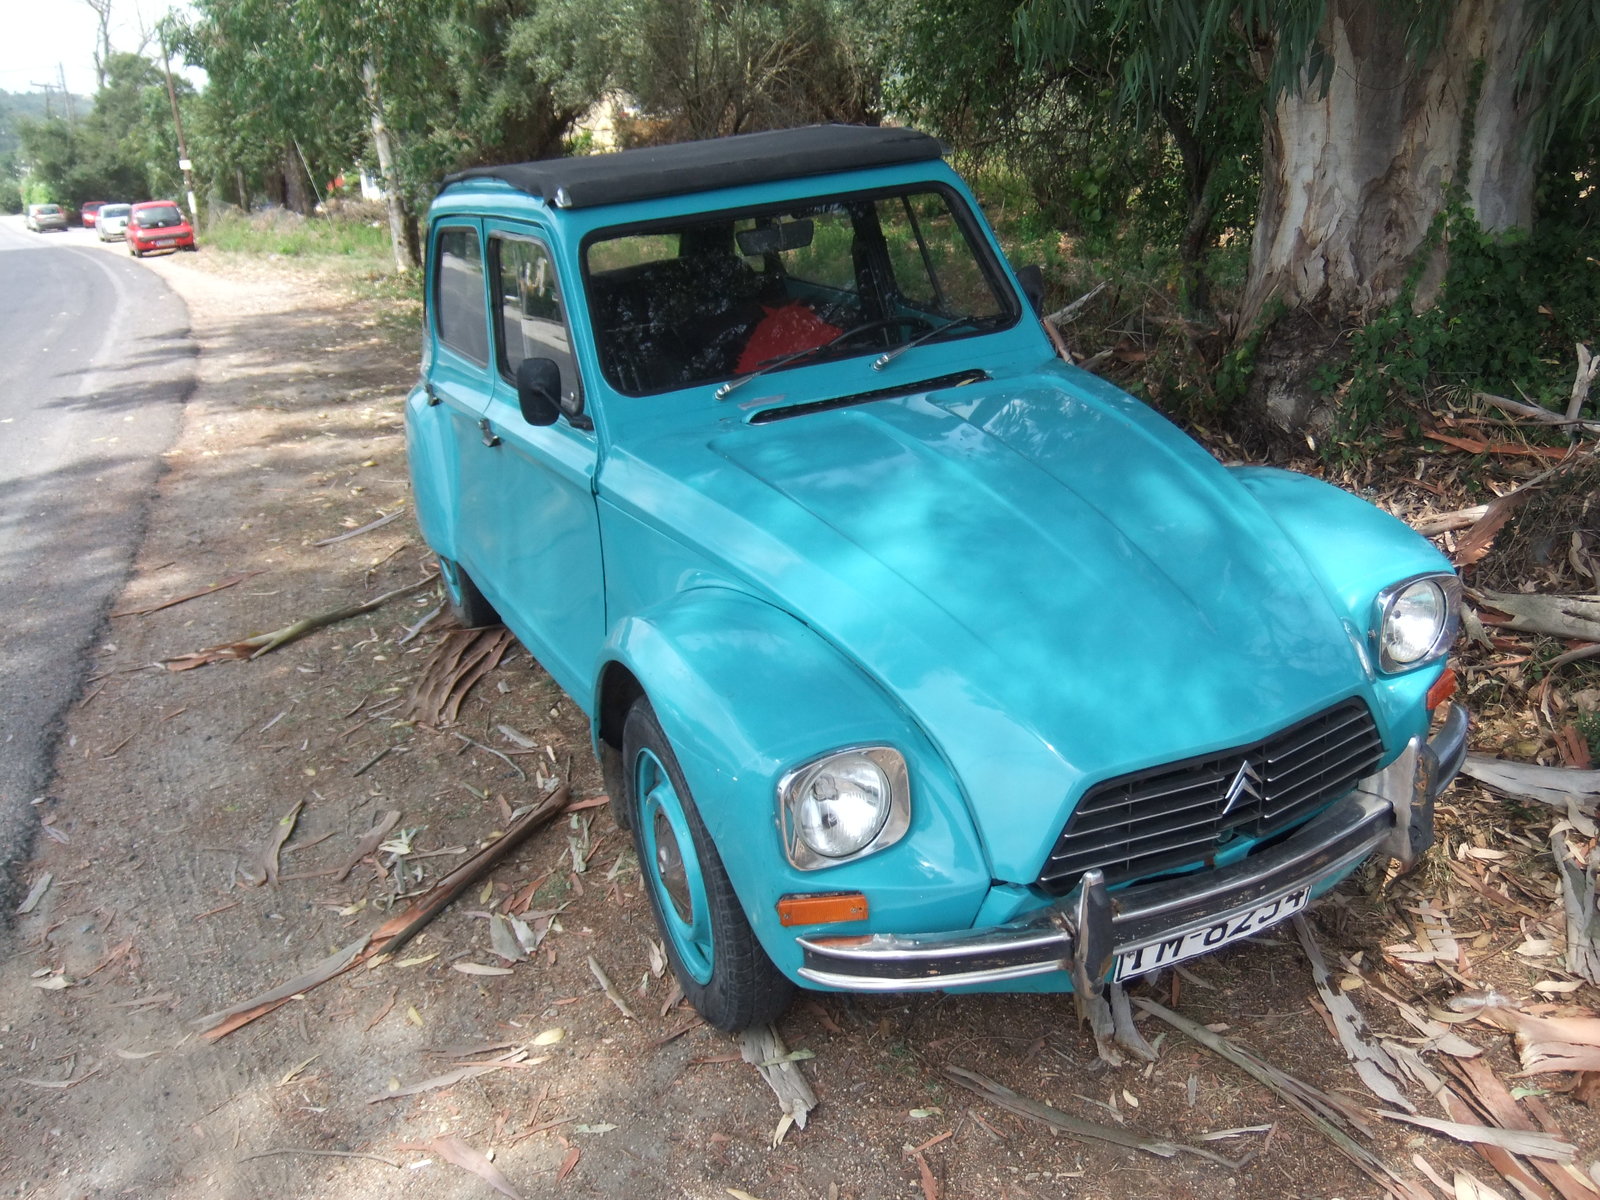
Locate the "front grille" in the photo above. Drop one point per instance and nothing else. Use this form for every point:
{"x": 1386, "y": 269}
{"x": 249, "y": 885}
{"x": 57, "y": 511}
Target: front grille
{"x": 1166, "y": 817}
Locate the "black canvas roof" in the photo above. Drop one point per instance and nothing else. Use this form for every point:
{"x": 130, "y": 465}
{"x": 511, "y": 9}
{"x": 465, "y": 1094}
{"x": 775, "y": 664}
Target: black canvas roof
{"x": 656, "y": 171}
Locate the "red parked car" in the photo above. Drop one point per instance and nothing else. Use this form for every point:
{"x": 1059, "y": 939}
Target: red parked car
{"x": 158, "y": 225}
{"x": 90, "y": 212}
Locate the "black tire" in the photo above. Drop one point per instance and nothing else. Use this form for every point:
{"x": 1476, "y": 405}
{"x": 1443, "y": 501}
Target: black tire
{"x": 724, "y": 972}
{"x": 467, "y": 604}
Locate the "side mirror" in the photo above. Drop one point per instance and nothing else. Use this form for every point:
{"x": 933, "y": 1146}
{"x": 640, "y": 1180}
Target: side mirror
{"x": 539, "y": 391}
{"x": 1031, "y": 278}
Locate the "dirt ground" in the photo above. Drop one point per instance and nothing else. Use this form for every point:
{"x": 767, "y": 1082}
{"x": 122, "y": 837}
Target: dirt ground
{"x": 171, "y": 784}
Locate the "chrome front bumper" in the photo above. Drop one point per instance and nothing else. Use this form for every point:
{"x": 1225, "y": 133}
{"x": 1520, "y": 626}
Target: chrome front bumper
{"x": 1390, "y": 811}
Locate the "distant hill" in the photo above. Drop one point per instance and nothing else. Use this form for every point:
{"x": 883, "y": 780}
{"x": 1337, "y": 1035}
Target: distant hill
{"x": 15, "y": 106}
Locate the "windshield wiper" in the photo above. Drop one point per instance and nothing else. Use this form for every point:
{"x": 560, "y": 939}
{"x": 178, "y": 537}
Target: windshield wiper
{"x": 784, "y": 360}
{"x": 888, "y": 356}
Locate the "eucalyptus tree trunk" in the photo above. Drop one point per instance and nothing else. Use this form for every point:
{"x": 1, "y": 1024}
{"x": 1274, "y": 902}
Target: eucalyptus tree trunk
{"x": 1353, "y": 178}
{"x": 404, "y": 257}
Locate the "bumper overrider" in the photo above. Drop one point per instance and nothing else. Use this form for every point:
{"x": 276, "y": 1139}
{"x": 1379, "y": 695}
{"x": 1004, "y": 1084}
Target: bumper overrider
{"x": 1389, "y": 812}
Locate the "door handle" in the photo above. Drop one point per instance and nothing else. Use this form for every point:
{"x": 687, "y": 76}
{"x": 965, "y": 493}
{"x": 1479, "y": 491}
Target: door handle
{"x": 490, "y": 437}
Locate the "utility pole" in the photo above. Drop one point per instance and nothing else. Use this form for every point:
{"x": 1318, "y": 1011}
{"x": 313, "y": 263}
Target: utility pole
{"x": 61, "y": 74}
{"x": 47, "y": 89}
{"x": 184, "y": 164}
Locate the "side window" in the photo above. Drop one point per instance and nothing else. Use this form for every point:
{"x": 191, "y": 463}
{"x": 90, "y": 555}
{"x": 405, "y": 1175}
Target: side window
{"x": 530, "y": 315}
{"x": 458, "y": 294}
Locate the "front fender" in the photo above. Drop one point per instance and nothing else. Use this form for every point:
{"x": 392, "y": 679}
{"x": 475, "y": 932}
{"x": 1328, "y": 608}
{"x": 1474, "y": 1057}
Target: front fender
{"x": 745, "y": 692}
{"x": 1355, "y": 550}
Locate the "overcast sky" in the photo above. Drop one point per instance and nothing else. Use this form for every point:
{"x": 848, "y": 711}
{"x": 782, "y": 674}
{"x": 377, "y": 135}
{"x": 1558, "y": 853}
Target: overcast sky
{"x": 40, "y": 38}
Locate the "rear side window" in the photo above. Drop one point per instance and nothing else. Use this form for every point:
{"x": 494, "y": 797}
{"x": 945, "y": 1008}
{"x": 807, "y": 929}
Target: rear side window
{"x": 531, "y": 314}
{"x": 459, "y": 314}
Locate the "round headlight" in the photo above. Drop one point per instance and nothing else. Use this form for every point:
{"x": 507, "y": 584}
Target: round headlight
{"x": 1414, "y": 623}
{"x": 843, "y": 805}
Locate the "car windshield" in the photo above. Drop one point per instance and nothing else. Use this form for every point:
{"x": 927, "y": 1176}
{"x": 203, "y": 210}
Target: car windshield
{"x": 114, "y": 210}
{"x": 48, "y": 210}
{"x": 716, "y": 297}
{"x": 157, "y": 218}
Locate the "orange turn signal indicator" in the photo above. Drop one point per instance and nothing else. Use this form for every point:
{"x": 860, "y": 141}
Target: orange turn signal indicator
{"x": 829, "y": 908}
{"x": 1443, "y": 688}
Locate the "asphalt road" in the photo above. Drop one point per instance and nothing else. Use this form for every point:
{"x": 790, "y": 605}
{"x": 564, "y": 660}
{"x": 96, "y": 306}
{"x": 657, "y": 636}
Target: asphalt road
{"x": 95, "y": 365}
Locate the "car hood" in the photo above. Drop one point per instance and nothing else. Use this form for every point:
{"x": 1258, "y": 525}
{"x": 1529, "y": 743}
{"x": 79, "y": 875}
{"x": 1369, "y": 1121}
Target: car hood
{"x": 1056, "y": 583}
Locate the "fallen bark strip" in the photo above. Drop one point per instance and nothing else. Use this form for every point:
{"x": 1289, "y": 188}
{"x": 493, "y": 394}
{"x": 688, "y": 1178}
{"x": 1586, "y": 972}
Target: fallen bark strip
{"x": 1377, "y": 1069}
{"x": 463, "y": 658}
{"x": 1321, "y": 1109}
{"x": 1460, "y": 518}
{"x": 216, "y": 587}
{"x": 255, "y": 647}
{"x": 1529, "y": 1143}
{"x": 1077, "y": 1127}
{"x": 1559, "y": 616}
{"x": 1578, "y": 899}
{"x": 1498, "y": 1105}
{"x": 1555, "y": 786}
{"x": 764, "y": 1050}
{"x": 396, "y": 931}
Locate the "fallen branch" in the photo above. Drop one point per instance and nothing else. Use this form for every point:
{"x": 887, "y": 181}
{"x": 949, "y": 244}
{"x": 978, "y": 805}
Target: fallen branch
{"x": 1077, "y": 1127}
{"x": 1069, "y": 313}
{"x": 1559, "y": 616}
{"x": 216, "y": 587}
{"x": 321, "y": 1153}
{"x": 1588, "y": 367}
{"x": 396, "y": 931}
{"x": 367, "y": 528}
{"x": 255, "y": 647}
{"x": 1533, "y": 412}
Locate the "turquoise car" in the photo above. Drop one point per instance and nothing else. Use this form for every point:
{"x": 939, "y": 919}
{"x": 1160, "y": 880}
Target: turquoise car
{"x": 915, "y": 657}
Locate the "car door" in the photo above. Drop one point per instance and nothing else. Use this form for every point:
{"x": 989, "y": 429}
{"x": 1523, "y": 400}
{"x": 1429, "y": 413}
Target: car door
{"x": 456, "y": 380}
{"x": 530, "y": 494}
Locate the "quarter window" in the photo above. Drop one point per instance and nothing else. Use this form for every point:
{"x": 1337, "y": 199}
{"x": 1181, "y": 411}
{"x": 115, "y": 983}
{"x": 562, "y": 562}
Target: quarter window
{"x": 458, "y": 294}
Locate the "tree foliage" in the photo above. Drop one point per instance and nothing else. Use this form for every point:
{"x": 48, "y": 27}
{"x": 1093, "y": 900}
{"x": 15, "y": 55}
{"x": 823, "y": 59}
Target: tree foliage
{"x": 123, "y": 149}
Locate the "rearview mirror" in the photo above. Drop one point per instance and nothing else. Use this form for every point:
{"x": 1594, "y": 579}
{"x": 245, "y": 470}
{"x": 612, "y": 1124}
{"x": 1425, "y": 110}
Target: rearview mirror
{"x": 1031, "y": 279}
{"x": 770, "y": 239}
{"x": 539, "y": 391}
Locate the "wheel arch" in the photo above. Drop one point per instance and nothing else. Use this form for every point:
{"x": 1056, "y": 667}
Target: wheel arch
{"x": 744, "y": 691}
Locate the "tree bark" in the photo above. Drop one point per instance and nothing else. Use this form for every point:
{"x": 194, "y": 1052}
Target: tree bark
{"x": 1352, "y": 179}
{"x": 404, "y": 259}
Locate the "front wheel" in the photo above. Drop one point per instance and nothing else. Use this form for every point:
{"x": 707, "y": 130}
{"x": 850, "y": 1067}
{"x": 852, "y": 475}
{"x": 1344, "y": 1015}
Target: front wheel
{"x": 724, "y": 972}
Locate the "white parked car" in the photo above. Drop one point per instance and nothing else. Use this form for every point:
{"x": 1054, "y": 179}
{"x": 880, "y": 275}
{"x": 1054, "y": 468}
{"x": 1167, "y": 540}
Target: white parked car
{"x": 111, "y": 221}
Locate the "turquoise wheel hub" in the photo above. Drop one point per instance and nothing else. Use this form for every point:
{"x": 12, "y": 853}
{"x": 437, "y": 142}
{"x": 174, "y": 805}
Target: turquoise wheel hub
{"x": 673, "y": 867}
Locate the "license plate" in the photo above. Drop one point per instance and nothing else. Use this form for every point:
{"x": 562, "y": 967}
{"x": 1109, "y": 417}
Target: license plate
{"x": 166, "y": 242}
{"x": 1142, "y": 959}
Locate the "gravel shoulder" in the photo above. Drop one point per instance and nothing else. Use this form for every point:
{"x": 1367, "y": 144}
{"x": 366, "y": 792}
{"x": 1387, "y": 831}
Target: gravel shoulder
{"x": 170, "y": 786}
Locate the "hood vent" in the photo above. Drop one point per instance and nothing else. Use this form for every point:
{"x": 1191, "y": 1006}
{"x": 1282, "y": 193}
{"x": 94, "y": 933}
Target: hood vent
{"x": 960, "y": 378}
